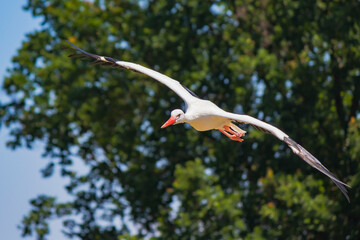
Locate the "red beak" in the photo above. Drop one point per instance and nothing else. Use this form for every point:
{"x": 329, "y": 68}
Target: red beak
{"x": 169, "y": 122}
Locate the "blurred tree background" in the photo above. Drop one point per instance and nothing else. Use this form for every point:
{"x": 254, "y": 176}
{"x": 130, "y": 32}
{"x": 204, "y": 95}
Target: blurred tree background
{"x": 294, "y": 64}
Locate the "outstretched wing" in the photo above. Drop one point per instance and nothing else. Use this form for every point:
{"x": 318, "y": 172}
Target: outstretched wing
{"x": 295, "y": 147}
{"x": 182, "y": 91}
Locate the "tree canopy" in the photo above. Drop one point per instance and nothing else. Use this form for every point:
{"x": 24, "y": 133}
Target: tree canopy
{"x": 294, "y": 64}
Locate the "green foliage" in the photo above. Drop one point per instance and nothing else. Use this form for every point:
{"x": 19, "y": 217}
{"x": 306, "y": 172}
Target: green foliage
{"x": 42, "y": 210}
{"x": 295, "y": 64}
{"x": 206, "y": 211}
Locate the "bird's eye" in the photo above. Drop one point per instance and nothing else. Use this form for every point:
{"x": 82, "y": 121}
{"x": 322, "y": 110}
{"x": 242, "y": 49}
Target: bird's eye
{"x": 177, "y": 116}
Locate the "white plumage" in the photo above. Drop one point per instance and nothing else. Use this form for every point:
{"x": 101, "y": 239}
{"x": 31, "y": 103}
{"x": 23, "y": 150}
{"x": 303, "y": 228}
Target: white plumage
{"x": 204, "y": 115}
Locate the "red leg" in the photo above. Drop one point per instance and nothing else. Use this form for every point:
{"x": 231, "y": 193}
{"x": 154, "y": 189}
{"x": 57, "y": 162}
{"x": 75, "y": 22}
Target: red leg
{"x": 238, "y": 134}
{"x": 232, "y": 136}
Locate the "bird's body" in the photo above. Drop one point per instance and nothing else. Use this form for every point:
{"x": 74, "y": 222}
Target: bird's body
{"x": 203, "y": 115}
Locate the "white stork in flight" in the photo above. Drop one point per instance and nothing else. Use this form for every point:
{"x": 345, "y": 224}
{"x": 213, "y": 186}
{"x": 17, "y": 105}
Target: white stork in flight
{"x": 204, "y": 115}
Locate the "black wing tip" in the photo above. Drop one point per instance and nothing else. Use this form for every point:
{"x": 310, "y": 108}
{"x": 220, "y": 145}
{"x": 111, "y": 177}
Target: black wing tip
{"x": 70, "y": 43}
{"x": 75, "y": 47}
{"x": 191, "y": 92}
{"x": 306, "y": 156}
{"x": 105, "y": 61}
{"x": 343, "y": 189}
{"x": 83, "y": 52}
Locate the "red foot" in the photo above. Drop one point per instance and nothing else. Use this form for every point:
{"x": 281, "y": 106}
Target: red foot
{"x": 235, "y": 136}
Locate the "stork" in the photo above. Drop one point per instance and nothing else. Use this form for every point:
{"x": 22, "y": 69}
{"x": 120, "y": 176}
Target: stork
{"x": 203, "y": 115}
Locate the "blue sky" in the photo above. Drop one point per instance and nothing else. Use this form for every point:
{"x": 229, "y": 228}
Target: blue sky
{"x": 20, "y": 177}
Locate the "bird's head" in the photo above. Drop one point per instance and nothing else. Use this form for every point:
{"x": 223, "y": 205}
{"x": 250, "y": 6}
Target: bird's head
{"x": 177, "y": 116}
